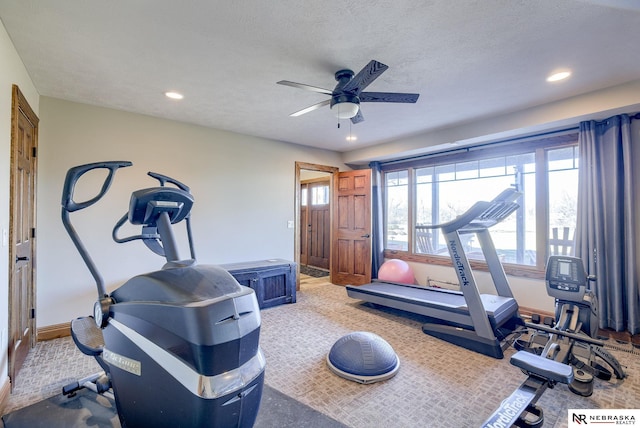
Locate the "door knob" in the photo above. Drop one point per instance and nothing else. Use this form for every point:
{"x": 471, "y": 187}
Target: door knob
{"x": 366, "y": 236}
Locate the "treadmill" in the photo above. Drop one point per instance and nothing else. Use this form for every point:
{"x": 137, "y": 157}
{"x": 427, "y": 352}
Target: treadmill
{"x": 479, "y": 322}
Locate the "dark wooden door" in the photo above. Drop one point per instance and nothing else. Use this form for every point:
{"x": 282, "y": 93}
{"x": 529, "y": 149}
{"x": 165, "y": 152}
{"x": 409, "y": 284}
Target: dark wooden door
{"x": 24, "y": 142}
{"x": 352, "y": 228}
{"x": 304, "y": 223}
{"x": 319, "y": 226}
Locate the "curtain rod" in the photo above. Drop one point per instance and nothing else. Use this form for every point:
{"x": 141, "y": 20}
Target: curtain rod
{"x": 632, "y": 116}
{"x": 482, "y": 146}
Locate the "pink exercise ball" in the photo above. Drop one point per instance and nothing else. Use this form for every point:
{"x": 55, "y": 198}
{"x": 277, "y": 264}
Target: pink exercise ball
{"x": 395, "y": 270}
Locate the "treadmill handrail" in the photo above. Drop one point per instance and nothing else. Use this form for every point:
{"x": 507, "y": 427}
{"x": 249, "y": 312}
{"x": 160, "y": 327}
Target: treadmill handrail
{"x": 483, "y": 214}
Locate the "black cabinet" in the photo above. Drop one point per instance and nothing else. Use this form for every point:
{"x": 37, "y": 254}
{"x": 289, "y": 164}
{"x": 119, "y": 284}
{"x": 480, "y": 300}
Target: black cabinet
{"x": 273, "y": 280}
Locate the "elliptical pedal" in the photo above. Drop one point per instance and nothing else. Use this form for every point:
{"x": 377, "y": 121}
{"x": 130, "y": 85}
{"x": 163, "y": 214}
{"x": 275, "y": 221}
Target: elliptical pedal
{"x": 87, "y": 336}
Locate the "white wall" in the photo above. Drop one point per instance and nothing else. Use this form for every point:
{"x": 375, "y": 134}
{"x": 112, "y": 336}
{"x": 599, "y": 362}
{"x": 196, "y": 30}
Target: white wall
{"x": 243, "y": 188}
{"x": 12, "y": 72}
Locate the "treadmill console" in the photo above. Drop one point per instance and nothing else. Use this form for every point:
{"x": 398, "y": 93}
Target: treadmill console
{"x": 565, "y": 278}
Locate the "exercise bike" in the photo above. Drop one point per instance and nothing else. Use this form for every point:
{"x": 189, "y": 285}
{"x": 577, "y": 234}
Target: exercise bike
{"x": 178, "y": 346}
{"x": 561, "y": 350}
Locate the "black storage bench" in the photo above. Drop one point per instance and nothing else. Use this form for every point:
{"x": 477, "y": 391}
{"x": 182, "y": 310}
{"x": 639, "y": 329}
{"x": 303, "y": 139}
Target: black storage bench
{"x": 273, "y": 280}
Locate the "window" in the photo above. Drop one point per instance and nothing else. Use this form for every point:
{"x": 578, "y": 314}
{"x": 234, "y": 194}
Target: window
{"x": 318, "y": 191}
{"x": 397, "y": 212}
{"x": 563, "y": 199}
{"x": 420, "y": 194}
{"x": 320, "y": 194}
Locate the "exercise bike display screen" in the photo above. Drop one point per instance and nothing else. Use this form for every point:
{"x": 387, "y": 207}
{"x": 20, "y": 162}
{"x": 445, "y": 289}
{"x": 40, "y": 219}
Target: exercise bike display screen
{"x": 564, "y": 268}
{"x": 565, "y": 273}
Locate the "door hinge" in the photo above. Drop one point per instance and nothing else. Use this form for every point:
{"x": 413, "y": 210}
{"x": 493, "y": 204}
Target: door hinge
{"x": 33, "y": 313}
{"x": 33, "y": 232}
{"x": 34, "y": 151}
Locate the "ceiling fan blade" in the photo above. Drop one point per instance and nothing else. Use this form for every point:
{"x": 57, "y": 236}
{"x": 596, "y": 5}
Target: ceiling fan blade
{"x": 305, "y": 87}
{"x": 368, "y": 74}
{"x": 311, "y": 108}
{"x": 387, "y": 97}
{"x": 358, "y": 117}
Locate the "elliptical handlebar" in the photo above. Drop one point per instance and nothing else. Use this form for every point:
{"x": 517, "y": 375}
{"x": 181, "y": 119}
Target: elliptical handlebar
{"x": 157, "y": 209}
{"x": 74, "y": 174}
{"x": 164, "y": 179}
{"x": 69, "y": 205}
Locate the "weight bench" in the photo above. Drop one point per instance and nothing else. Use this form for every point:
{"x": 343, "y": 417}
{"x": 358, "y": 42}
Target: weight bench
{"x": 543, "y": 373}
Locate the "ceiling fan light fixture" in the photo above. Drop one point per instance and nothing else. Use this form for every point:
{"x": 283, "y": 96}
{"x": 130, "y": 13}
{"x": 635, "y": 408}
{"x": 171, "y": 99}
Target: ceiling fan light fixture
{"x": 345, "y": 110}
{"x": 345, "y": 106}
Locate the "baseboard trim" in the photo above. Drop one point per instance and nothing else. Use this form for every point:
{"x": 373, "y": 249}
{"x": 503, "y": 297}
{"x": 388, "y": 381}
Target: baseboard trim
{"x": 54, "y": 331}
{"x": 527, "y": 312}
{"x": 57, "y": 331}
{"x": 5, "y": 390}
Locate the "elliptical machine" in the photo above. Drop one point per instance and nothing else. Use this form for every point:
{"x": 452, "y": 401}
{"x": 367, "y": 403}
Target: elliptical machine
{"x": 561, "y": 350}
{"x": 571, "y": 338}
{"x": 178, "y": 346}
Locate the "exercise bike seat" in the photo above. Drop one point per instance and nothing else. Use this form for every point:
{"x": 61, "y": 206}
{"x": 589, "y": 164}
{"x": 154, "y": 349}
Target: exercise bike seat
{"x": 543, "y": 367}
{"x": 87, "y": 336}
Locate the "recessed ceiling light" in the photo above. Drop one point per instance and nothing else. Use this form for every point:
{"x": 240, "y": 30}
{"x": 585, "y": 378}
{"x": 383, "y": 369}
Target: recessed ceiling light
{"x": 174, "y": 95}
{"x": 561, "y": 75}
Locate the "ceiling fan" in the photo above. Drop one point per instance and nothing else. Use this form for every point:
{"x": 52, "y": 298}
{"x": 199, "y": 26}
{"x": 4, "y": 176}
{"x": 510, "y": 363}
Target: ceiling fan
{"x": 346, "y": 97}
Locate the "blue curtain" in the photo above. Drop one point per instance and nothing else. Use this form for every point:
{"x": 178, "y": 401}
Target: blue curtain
{"x": 608, "y": 220}
{"x": 377, "y": 229}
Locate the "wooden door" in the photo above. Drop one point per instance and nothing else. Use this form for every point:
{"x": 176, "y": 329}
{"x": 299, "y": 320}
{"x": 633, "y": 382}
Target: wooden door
{"x": 319, "y": 226}
{"x": 24, "y": 142}
{"x": 304, "y": 223}
{"x": 352, "y": 228}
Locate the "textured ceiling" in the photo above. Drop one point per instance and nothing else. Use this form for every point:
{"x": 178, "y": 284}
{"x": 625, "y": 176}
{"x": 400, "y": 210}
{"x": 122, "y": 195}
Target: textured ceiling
{"x": 469, "y": 60}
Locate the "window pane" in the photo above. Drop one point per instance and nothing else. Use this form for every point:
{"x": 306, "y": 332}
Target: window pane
{"x": 564, "y": 158}
{"x": 445, "y": 172}
{"x": 521, "y": 163}
{"x": 492, "y": 167}
{"x": 458, "y": 186}
{"x": 423, "y": 242}
{"x": 455, "y": 197}
{"x": 424, "y": 175}
{"x": 526, "y": 253}
{"x": 466, "y": 170}
{"x": 397, "y": 210}
{"x": 563, "y": 199}
{"x": 320, "y": 195}
{"x": 303, "y": 196}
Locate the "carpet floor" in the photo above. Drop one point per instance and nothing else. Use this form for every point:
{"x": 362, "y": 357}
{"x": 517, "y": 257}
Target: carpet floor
{"x": 438, "y": 384}
{"x": 313, "y": 272}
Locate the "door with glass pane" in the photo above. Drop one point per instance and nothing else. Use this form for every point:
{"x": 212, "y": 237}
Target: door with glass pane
{"x": 315, "y": 225}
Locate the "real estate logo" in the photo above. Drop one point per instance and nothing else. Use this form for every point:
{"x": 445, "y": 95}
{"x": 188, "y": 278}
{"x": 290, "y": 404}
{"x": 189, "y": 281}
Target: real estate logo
{"x": 579, "y": 418}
